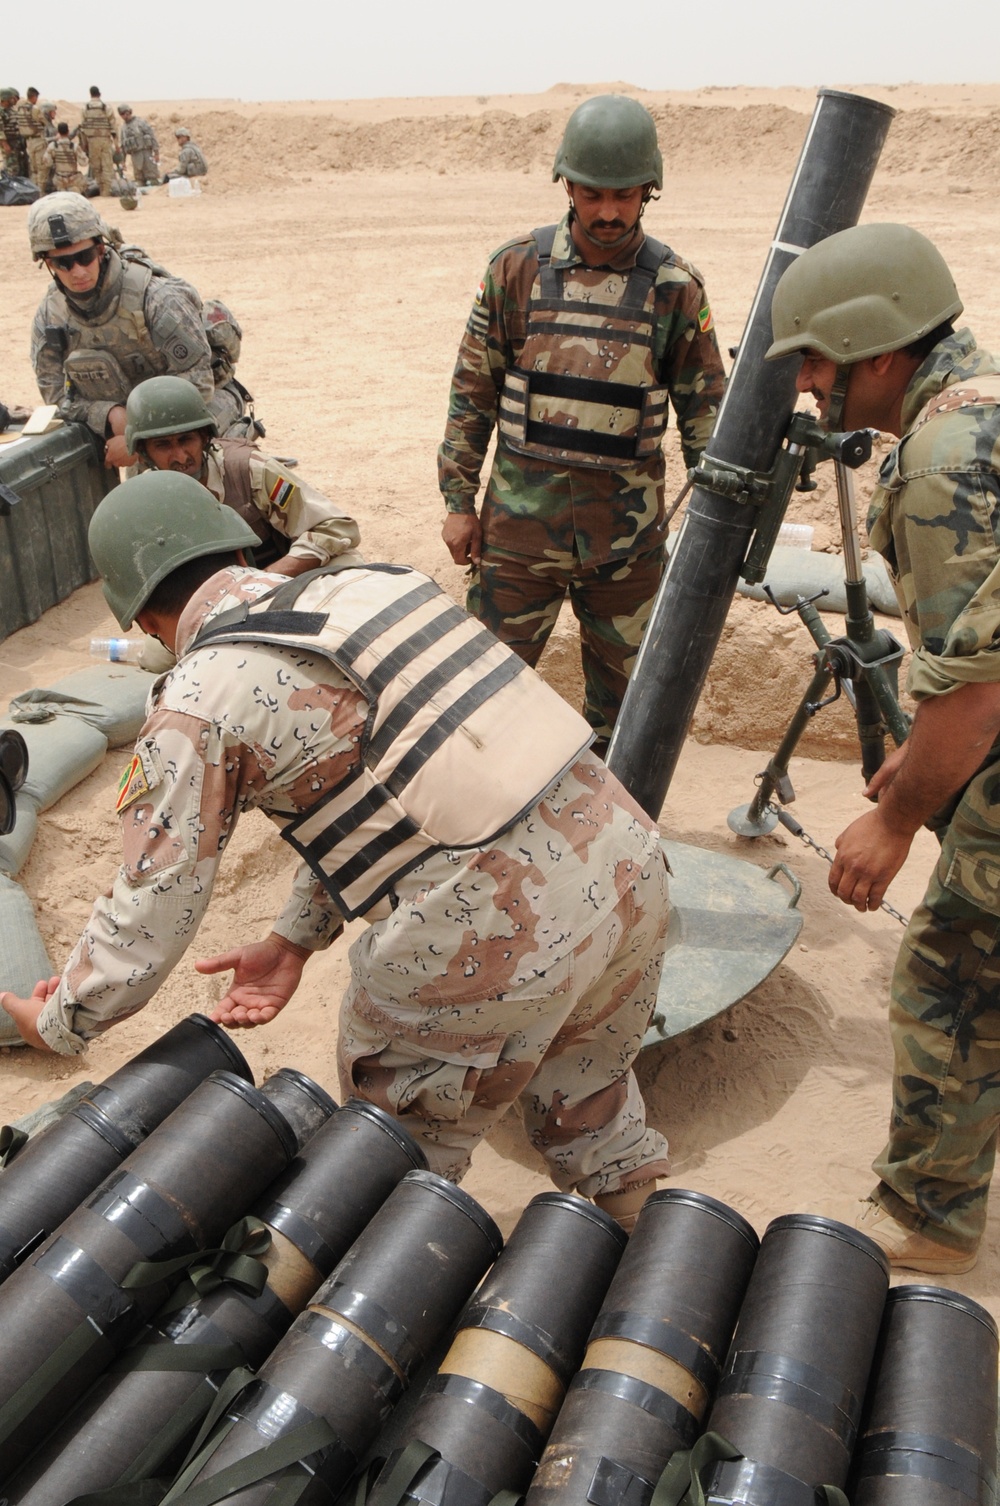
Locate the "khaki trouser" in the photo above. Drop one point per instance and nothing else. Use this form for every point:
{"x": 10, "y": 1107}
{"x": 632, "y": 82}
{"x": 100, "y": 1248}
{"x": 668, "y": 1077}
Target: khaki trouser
{"x": 102, "y": 166}
{"x": 36, "y": 160}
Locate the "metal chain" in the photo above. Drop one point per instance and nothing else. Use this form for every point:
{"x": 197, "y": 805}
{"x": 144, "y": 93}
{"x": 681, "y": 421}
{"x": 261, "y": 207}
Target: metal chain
{"x": 790, "y": 824}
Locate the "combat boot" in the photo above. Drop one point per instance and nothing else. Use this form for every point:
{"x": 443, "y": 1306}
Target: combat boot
{"x": 908, "y": 1249}
{"x": 625, "y": 1204}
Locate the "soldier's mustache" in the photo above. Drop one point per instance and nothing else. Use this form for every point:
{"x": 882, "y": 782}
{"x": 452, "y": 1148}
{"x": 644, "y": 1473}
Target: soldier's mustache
{"x": 609, "y": 224}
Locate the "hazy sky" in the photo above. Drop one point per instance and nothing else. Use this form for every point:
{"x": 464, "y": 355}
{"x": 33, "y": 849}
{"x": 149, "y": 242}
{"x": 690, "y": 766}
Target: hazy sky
{"x": 294, "y": 49}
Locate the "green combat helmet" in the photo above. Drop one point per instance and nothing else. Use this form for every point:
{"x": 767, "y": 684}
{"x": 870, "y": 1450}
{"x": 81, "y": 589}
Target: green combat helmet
{"x": 62, "y": 219}
{"x": 162, "y": 406}
{"x": 863, "y": 291}
{"x": 148, "y": 527}
{"x": 609, "y": 142}
{"x": 7, "y": 94}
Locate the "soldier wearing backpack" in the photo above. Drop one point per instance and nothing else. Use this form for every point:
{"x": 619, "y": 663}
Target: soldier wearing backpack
{"x": 110, "y": 319}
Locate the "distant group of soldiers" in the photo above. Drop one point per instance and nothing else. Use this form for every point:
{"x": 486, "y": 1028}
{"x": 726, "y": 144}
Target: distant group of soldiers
{"x": 56, "y": 158}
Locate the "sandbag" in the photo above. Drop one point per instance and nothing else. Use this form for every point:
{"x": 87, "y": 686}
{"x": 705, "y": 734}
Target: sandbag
{"x": 23, "y": 958}
{"x": 61, "y": 752}
{"x": 792, "y": 573}
{"x": 15, "y": 846}
{"x": 111, "y": 697}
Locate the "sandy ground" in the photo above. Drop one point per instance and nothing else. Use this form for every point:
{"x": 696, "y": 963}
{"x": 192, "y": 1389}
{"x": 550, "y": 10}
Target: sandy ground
{"x": 349, "y": 238}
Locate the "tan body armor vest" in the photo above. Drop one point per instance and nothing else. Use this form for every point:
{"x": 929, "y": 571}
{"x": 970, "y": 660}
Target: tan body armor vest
{"x": 96, "y": 121}
{"x": 461, "y": 738}
{"x": 111, "y": 354}
{"x": 238, "y": 494}
{"x": 585, "y": 391}
{"x": 64, "y": 159}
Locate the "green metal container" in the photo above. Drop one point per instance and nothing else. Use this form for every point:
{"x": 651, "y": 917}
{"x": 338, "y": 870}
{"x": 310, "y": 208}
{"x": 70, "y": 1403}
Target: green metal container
{"x": 49, "y": 487}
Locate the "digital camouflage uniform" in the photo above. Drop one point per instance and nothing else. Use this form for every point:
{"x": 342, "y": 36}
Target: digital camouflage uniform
{"x": 597, "y": 533}
{"x": 138, "y": 139}
{"x": 61, "y": 160}
{"x": 190, "y": 162}
{"x": 99, "y": 139}
{"x": 31, "y": 123}
{"x": 168, "y": 337}
{"x": 935, "y": 517}
{"x": 523, "y": 970}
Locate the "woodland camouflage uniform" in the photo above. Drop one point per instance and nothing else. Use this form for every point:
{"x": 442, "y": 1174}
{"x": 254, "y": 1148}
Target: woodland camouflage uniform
{"x": 12, "y": 144}
{"x": 31, "y": 123}
{"x": 521, "y": 970}
{"x": 935, "y": 517}
{"x": 597, "y": 530}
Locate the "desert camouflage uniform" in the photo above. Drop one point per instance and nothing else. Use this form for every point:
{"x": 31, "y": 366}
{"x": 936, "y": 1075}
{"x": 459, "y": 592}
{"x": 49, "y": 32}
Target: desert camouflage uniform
{"x": 31, "y": 123}
{"x": 100, "y": 140}
{"x": 522, "y": 970}
{"x": 596, "y": 533}
{"x": 172, "y": 340}
{"x": 62, "y": 160}
{"x": 283, "y": 509}
{"x": 138, "y": 139}
{"x": 936, "y": 519}
{"x": 190, "y": 162}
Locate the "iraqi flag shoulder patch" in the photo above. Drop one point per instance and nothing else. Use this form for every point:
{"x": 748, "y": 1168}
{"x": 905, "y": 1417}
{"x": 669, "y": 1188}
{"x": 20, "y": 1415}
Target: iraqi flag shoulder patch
{"x": 132, "y": 785}
{"x": 281, "y": 493}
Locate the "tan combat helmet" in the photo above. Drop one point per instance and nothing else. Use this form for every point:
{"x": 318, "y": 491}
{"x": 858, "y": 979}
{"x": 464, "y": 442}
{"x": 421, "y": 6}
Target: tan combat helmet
{"x": 124, "y": 109}
{"x": 865, "y": 290}
{"x": 182, "y": 131}
{"x": 609, "y": 142}
{"x": 61, "y": 219}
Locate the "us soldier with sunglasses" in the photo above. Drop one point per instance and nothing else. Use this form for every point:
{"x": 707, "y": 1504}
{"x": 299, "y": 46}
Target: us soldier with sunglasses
{"x": 106, "y": 324}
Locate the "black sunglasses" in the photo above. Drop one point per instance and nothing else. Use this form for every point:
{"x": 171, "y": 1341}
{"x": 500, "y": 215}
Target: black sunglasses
{"x": 78, "y": 259}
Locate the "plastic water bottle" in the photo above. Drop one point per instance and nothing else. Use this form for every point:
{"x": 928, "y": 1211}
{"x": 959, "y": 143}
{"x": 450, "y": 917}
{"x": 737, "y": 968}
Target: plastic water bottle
{"x": 796, "y": 535}
{"x": 118, "y": 650}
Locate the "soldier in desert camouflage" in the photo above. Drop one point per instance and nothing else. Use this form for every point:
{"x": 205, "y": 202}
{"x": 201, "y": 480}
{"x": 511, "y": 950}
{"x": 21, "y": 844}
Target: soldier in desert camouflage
{"x": 138, "y": 140}
{"x": 515, "y": 893}
{"x": 579, "y": 336}
{"x": 99, "y": 139}
{"x": 62, "y": 162}
{"x": 872, "y": 311}
{"x": 31, "y": 123}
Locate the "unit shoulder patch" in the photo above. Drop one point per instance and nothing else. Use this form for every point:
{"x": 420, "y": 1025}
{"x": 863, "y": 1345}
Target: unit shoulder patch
{"x": 139, "y": 777}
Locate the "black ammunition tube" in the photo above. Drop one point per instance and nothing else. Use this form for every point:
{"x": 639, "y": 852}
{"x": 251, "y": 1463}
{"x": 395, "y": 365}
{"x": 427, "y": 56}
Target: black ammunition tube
{"x": 929, "y": 1433}
{"x": 348, "y": 1358}
{"x": 791, "y": 1392}
{"x": 139, "y": 1417}
{"x": 491, "y": 1406}
{"x": 300, "y": 1101}
{"x": 56, "y": 1169}
{"x": 836, "y": 166}
{"x": 73, "y": 1305}
{"x": 655, "y": 1354}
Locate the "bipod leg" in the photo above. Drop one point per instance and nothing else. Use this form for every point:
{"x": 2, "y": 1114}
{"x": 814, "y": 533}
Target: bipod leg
{"x": 755, "y": 820}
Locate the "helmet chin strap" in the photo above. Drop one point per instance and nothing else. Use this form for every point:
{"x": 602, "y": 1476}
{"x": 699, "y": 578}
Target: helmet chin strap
{"x": 838, "y": 392}
{"x": 619, "y": 241}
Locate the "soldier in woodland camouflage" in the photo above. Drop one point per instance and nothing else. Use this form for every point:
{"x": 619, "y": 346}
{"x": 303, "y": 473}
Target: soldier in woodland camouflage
{"x": 515, "y": 893}
{"x": 99, "y": 139}
{"x": 12, "y": 144}
{"x": 872, "y": 309}
{"x": 138, "y": 139}
{"x": 580, "y": 335}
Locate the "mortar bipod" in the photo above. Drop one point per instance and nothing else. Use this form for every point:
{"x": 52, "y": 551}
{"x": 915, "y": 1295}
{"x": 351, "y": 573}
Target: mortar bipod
{"x": 863, "y": 662}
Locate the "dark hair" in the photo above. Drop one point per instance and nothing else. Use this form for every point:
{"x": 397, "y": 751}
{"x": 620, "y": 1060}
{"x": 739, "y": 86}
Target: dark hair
{"x": 920, "y": 349}
{"x": 95, "y": 92}
{"x": 63, "y": 128}
{"x": 32, "y": 91}
{"x": 174, "y": 592}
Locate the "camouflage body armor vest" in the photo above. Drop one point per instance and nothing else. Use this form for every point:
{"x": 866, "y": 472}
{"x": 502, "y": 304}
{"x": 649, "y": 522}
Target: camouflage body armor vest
{"x": 64, "y": 158}
{"x": 238, "y": 494}
{"x": 585, "y": 391}
{"x": 461, "y": 737}
{"x": 95, "y": 121}
{"x": 111, "y": 353}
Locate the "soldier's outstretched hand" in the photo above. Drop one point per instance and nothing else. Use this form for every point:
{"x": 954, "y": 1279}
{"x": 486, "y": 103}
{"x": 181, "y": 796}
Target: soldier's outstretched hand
{"x": 265, "y": 975}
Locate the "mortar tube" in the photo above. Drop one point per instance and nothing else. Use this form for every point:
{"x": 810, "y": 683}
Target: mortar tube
{"x": 828, "y": 190}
